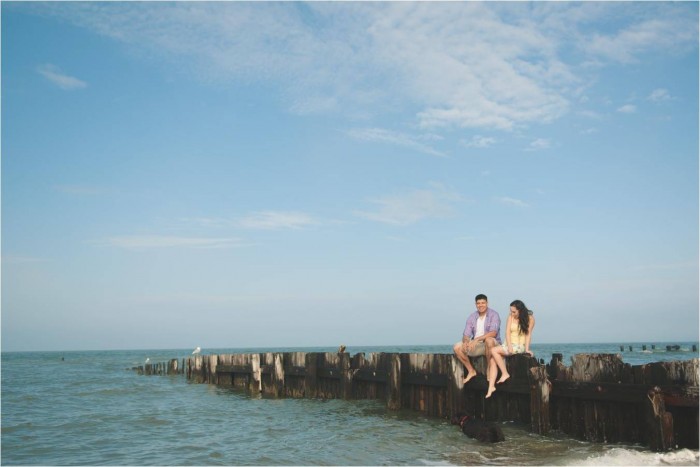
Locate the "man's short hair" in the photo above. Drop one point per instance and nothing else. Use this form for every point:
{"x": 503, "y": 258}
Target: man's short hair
{"x": 481, "y": 297}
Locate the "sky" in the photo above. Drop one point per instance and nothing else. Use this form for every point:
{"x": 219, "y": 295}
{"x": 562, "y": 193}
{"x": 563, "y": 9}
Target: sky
{"x": 290, "y": 174}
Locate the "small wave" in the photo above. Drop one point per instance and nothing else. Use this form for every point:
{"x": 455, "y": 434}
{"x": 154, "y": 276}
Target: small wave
{"x": 621, "y": 456}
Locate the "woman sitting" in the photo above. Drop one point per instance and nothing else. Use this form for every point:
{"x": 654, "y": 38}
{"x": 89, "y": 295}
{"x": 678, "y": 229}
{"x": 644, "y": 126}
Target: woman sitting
{"x": 519, "y": 329}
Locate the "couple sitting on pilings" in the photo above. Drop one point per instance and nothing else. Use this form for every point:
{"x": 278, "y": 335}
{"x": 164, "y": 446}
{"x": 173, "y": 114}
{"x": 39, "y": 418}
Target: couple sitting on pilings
{"x": 482, "y": 337}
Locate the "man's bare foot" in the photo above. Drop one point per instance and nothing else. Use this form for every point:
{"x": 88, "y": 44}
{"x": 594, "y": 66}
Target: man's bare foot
{"x": 470, "y": 375}
{"x": 503, "y": 379}
{"x": 490, "y": 391}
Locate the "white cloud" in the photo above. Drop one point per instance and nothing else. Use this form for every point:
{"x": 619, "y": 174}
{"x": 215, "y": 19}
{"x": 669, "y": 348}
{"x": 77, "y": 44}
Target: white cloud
{"x": 138, "y": 242}
{"x": 512, "y": 202}
{"x": 275, "y": 220}
{"x": 539, "y": 144}
{"x": 658, "y": 95}
{"x": 399, "y": 139}
{"x": 627, "y": 109}
{"x": 479, "y": 141}
{"x": 452, "y": 64}
{"x": 626, "y": 44}
{"x": 412, "y": 207}
{"x": 63, "y": 81}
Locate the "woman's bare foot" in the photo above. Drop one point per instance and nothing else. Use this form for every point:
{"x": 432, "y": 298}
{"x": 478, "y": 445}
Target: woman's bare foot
{"x": 470, "y": 375}
{"x": 491, "y": 390}
{"x": 503, "y": 379}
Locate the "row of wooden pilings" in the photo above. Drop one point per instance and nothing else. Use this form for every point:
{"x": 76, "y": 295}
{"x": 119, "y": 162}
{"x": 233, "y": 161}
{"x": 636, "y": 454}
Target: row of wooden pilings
{"x": 598, "y": 398}
{"x": 669, "y": 348}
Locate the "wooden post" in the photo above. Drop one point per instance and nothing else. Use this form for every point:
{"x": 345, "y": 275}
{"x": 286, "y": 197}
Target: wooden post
{"x": 311, "y": 363}
{"x": 393, "y": 387}
{"x": 455, "y": 386}
{"x": 345, "y": 375}
{"x": 278, "y": 375}
{"x": 211, "y": 369}
{"x": 255, "y": 385}
{"x": 539, "y": 400}
{"x": 659, "y": 422}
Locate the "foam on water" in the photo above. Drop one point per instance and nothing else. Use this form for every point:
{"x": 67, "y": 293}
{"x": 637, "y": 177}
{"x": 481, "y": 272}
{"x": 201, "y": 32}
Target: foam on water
{"x": 620, "y": 456}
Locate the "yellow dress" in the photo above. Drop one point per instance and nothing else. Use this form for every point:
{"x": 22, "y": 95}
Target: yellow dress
{"x": 517, "y": 339}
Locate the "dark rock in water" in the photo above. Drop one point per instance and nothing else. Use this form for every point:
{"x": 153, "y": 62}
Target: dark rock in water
{"x": 673, "y": 348}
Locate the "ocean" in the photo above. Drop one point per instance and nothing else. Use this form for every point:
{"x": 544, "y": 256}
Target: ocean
{"x": 90, "y": 408}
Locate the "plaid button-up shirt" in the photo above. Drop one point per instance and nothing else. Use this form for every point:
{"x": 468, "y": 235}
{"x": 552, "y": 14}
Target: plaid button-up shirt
{"x": 492, "y": 323}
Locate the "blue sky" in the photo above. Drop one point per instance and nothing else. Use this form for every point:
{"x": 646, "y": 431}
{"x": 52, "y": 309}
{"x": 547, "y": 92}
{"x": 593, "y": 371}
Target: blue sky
{"x": 309, "y": 174}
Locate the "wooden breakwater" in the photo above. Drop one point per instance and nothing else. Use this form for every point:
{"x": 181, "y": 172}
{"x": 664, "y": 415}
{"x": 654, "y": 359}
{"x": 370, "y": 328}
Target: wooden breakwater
{"x": 598, "y": 398}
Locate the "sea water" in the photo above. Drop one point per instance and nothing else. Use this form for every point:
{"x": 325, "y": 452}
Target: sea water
{"x": 90, "y": 408}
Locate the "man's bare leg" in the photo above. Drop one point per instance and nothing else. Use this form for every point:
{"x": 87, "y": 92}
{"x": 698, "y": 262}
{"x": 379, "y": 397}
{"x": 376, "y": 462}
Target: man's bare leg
{"x": 464, "y": 358}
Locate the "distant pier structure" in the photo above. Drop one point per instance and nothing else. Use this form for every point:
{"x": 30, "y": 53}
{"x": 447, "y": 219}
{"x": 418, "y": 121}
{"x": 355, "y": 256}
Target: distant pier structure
{"x": 669, "y": 348}
{"x": 598, "y": 398}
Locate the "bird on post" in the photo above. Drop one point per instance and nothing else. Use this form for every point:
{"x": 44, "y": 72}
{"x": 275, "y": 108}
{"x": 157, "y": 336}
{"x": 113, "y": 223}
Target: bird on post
{"x": 196, "y": 351}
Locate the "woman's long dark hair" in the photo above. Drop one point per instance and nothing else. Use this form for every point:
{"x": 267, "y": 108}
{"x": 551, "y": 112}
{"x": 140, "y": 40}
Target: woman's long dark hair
{"x": 523, "y": 316}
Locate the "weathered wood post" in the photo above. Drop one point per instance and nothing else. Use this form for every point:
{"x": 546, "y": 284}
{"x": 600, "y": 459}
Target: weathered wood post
{"x": 277, "y": 375}
{"x": 172, "y": 367}
{"x": 195, "y": 368}
{"x": 539, "y": 400}
{"x": 345, "y": 375}
{"x": 255, "y": 383}
{"x": 658, "y": 421}
{"x": 455, "y": 386}
{"x": 211, "y": 369}
{"x": 393, "y": 387}
{"x": 310, "y": 379}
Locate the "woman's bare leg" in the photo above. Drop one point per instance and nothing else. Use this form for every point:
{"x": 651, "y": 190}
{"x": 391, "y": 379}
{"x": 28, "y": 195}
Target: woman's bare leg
{"x": 497, "y": 355}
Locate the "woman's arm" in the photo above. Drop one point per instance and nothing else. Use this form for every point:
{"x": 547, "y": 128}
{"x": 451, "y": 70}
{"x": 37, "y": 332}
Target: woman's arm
{"x": 528, "y": 339}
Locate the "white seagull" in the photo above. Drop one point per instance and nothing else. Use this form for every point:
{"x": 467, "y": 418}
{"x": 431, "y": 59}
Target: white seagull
{"x": 197, "y": 350}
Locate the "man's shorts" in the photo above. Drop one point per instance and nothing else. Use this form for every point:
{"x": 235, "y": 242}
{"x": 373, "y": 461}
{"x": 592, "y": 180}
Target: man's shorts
{"x": 478, "y": 350}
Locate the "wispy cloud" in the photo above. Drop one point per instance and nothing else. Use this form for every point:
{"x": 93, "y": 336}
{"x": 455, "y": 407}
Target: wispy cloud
{"x": 479, "y": 141}
{"x": 382, "y": 135}
{"x": 628, "y": 43}
{"x": 512, "y": 202}
{"x": 142, "y": 242}
{"x": 659, "y": 95}
{"x": 539, "y": 144}
{"x": 409, "y": 208}
{"x": 62, "y": 80}
{"x": 275, "y": 220}
{"x": 261, "y": 220}
{"x": 452, "y": 64}
{"x": 627, "y": 109}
